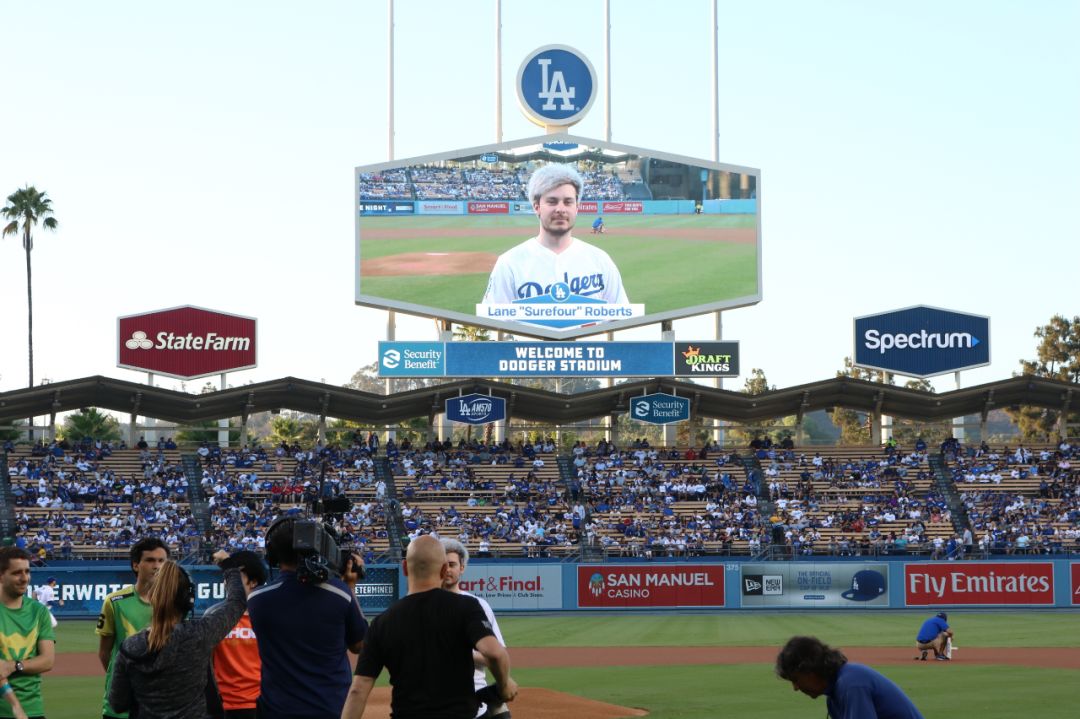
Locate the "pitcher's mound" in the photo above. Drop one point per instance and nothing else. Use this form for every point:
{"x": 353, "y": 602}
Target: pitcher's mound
{"x": 531, "y": 703}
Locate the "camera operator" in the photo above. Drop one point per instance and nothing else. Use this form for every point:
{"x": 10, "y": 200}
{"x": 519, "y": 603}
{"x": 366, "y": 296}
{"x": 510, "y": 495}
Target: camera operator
{"x": 426, "y": 640}
{"x": 304, "y": 630}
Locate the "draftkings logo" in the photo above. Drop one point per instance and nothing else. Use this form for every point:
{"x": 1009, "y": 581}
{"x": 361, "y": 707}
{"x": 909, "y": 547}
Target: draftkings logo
{"x": 708, "y": 359}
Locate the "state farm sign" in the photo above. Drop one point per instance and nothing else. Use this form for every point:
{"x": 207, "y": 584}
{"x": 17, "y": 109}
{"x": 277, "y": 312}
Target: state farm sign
{"x": 186, "y": 342}
{"x": 680, "y": 585}
{"x": 1011, "y": 583}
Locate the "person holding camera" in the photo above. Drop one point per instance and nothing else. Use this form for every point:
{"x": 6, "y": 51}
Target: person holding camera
{"x": 163, "y": 670}
{"x": 426, "y": 640}
{"x": 305, "y": 625}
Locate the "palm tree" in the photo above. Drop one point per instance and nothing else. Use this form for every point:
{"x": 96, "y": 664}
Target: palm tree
{"x": 92, "y": 423}
{"x": 25, "y": 208}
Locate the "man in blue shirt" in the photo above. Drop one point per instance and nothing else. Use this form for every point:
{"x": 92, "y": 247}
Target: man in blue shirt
{"x": 935, "y": 634}
{"x": 852, "y": 691}
{"x": 303, "y": 631}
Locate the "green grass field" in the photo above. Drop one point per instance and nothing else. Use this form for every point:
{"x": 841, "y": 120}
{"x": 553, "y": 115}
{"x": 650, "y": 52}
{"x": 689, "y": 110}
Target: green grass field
{"x": 660, "y": 266}
{"x": 952, "y": 690}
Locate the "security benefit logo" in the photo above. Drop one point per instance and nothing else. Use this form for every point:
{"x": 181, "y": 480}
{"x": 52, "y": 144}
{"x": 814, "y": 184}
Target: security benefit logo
{"x": 707, "y": 359}
{"x": 758, "y": 585}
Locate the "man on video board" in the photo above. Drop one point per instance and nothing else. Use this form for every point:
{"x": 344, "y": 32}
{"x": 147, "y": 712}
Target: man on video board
{"x": 554, "y": 256}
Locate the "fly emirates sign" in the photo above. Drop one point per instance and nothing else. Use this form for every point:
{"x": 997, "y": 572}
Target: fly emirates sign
{"x": 681, "y": 585}
{"x": 1001, "y": 583}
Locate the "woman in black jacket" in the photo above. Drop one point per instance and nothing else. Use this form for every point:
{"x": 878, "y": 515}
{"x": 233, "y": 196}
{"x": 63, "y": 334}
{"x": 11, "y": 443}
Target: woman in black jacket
{"x": 162, "y": 672}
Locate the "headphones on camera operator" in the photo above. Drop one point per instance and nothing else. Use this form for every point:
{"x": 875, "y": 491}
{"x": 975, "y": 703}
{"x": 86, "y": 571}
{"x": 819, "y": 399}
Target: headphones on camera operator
{"x": 312, "y": 545}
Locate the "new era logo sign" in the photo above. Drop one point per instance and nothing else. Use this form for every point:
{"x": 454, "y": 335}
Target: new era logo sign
{"x": 751, "y": 586}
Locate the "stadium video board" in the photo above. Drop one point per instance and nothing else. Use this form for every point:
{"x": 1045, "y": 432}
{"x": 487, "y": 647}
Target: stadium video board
{"x": 655, "y": 237}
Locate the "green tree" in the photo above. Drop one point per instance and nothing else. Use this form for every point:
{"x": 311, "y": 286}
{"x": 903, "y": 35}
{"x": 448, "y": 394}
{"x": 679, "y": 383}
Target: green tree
{"x": 90, "y": 423}
{"x": 854, "y": 426}
{"x": 207, "y": 431}
{"x": 25, "y": 209}
{"x": 293, "y": 429}
{"x": 1057, "y": 356}
{"x": 906, "y": 431}
{"x": 468, "y": 333}
{"x": 12, "y": 434}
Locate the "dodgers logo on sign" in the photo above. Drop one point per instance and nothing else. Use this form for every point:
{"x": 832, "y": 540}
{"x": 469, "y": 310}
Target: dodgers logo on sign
{"x": 475, "y": 409}
{"x": 556, "y": 85}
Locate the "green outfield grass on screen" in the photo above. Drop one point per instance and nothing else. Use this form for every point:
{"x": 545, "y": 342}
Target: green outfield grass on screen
{"x": 667, "y": 262}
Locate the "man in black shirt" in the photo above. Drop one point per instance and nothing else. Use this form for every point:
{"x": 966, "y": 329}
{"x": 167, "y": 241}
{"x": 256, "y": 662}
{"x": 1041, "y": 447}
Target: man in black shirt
{"x": 426, "y": 640}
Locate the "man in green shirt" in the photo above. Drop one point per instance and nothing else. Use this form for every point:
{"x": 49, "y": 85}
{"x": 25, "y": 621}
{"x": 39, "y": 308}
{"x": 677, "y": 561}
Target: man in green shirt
{"x": 28, "y": 642}
{"x": 127, "y": 611}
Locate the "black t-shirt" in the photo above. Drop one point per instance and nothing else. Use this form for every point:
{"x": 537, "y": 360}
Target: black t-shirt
{"x": 426, "y": 641}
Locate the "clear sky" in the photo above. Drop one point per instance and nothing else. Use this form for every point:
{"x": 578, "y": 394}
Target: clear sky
{"x": 922, "y": 152}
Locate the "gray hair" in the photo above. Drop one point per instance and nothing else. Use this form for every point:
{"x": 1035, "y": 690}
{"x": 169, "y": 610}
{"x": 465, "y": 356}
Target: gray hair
{"x": 550, "y": 176}
{"x": 455, "y": 547}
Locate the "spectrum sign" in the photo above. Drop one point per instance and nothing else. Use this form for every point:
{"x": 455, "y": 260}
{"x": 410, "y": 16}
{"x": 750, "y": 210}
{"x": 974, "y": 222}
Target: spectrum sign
{"x": 978, "y": 583}
{"x": 922, "y": 341}
{"x": 631, "y": 586}
{"x": 186, "y": 342}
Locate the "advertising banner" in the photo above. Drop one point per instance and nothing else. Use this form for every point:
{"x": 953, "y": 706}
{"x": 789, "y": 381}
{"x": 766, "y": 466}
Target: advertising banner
{"x": 439, "y": 207}
{"x": 553, "y": 359}
{"x": 922, "y": 341}
{"x": 1074, "y": 569}
{"x": 852, "y": 585}
{"x": 660, "y": 408}
{"x": 707, "y": 359}
{"x": 84, "y": 591}
{"x": 641, "y": 268}
{"x": 650, "y": 585}
{"x": 386, "y": 208}
{"x": 489, "y": 208}
{"x": 515, "y": 586}
{"x": 558, "y": 359}
{"x": 979, "y": 583}
{"x": 412, "y": 359}
{"x": 186, "y": 342}
{"x": 623, "y": 207}
{"x": 475, "y": 409}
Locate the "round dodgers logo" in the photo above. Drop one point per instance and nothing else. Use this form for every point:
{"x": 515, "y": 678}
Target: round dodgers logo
{"x": 556, "y": 85}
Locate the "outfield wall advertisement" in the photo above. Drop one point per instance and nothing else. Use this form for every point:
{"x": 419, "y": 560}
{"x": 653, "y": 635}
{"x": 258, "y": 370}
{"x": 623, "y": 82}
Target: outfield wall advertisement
{"x": 84, "y": 590}
{"x": 979, "y": 583}
{"x": 650, "y": 585}
{"x": 653, "y": 237}
{"x": 1074, "y": 584}
{"x": 515, "y": 586}
{"x": 806, "y": 585}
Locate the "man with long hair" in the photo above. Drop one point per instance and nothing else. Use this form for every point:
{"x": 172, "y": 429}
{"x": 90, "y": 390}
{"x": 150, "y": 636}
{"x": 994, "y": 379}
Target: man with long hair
{"x": 852, "y": 691}
{"x": 163, "y": 670}
{"x": 457, "y": 559}
{"x": 29, "y": 644}
{"x": 127, "y": 610}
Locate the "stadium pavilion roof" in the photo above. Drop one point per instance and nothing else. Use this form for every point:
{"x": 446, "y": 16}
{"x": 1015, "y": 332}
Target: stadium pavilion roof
{"x": 528, "y": 403}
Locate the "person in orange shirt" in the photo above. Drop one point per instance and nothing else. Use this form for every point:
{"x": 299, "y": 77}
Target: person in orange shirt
{"x": 237, "y": 669}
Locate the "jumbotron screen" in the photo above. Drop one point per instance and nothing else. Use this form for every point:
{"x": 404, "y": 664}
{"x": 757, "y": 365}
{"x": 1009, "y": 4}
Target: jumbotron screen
{"x": 650, "y": 237}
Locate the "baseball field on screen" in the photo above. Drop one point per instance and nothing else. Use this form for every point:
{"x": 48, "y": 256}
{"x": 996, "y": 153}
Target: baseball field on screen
{"x": 667, "y": 262}
{"x": 1008, "y": 664}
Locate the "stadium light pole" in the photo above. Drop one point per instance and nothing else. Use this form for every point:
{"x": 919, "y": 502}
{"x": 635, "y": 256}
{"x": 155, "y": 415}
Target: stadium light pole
{"x": 607, "y": 70}
{"x": 718, "y": 382}
{"x": 498, "y": 71}
{"x": 391, "y": 317}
